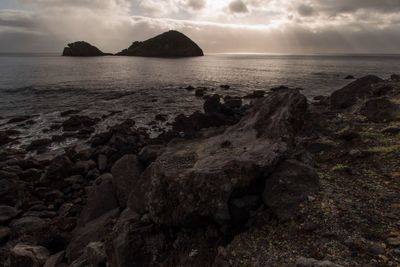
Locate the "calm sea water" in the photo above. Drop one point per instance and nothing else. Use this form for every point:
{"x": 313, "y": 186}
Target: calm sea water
{"x": 139, "y": 88}
{"x": 45, "y": 83}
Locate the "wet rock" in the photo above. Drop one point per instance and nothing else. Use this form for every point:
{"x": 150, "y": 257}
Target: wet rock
{"x": 91, "y": 232}
{"x": 194, "y": 180}
{"x": 308, "y": 262}
{"x": 101, "y": 199}
{"x": 200, "y": 92}
{"x": 349, "y": 77}
{"x": 53, "y": 195}
{"x": 160, "y": 117}
{"x": 380, "y": 110}
{"x": 77, "y": 122}
{"x": 28, "y": 255}
{"x": 55, "y": 260}
{"x": 5, "y": 233}
{"x": 150, "y": 153}
{"x": 288, "y": 187}
{"x": 359, "y": 89}
{"x": 233, "y": 103}
{"x": 256, "y": 94}
{"x": 190, "y": 88}
{"x": 282, "y": 87}
{"x": 212, "y": 104}
{"x": 395, "y": 77}
{"x": 126, "y": 173}
{"x": 19, "y": 119}
{"x": 8, "y": 190}
{"x": 69, "y": 112}
{"x": 4, "y": 138}
{"x": 224, "y": 86}
{"x": 7, "y": 213}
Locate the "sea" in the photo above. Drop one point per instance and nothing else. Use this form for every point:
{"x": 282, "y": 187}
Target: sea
{"x": 43, "y": 85}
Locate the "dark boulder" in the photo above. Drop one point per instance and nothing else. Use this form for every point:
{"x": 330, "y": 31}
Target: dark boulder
{"x": 7, "y": 213}
{"x": 395, "y": 77}
{"x": 82, "y": 49}
{"x": 290, "y": 185}
{"x": 101, "y": 199}
{"x": 169, "y": 44}
{"x": 380, "y": 110}
{"x": 212, "y": 104}
{"x": 255, "y": 94}
{"x": 349, "y": 77}
{"x": 126, "y": 173}
{"x": 194, "y": 180}
{"x": 77, "y": 122}
{"x": 350, "y": 94}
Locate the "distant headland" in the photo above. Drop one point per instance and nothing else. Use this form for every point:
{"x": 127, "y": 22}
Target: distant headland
{"x": 171, "y": 44}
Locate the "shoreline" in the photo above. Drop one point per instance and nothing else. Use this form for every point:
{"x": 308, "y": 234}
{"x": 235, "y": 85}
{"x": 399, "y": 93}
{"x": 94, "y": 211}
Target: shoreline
{"x": 123, "y": 198}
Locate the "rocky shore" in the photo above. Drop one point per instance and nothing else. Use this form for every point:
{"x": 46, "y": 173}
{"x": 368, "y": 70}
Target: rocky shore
{"x": 268, "y": 179}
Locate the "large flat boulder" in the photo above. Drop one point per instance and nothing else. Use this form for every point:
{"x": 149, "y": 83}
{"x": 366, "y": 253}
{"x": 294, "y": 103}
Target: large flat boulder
{"x": 194, "y": 180}
{"x": 351, "y": 93}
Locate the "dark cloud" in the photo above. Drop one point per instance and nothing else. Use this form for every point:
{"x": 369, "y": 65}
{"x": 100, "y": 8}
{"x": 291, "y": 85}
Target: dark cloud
{"x": 305, "y": 10}
{"x": 196, "y": 4}
{"x": 238, "y": 6}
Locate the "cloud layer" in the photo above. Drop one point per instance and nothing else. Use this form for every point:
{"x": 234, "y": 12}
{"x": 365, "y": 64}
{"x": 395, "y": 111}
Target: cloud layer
{"x": 275, "y": 26}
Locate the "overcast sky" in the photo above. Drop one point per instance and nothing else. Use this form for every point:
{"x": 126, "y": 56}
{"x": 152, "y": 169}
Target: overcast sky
{"x": 258, "y": 26}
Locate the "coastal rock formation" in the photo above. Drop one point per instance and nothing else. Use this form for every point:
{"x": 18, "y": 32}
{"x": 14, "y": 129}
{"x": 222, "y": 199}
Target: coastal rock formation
{"x": 194, "y": 181}
{"x": 82, "y": 49}
{"x": 169, "y": 44}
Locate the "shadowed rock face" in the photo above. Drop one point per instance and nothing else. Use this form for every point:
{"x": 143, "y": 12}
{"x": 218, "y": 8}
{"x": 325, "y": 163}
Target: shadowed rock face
{"x": 194, "y": 180}
{"x": 169, "y": 44}
{"x": 82, "y": 49}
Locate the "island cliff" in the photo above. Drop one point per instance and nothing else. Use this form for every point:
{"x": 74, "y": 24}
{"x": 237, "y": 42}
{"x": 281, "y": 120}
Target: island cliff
{"x": 82, "y": 49}
{"x": 169, "y": 44}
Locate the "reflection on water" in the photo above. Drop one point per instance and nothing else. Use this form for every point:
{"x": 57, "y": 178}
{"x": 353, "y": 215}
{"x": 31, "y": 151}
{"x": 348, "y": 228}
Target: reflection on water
{"x": 45, "y": 83}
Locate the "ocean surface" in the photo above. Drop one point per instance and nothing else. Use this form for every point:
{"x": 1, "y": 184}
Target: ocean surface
{"x": 139, "y": 88}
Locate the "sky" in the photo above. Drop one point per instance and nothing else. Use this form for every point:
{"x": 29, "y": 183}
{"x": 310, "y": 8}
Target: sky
{"x": 218, "y": 26}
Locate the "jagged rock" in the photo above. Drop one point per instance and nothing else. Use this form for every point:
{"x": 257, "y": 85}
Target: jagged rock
{"x": 290, "y": 185}
{"x": 4, "y": 138}
{"x": 359, "y": 89}
{"x": 126, "y": 172}
{"x": 194, "y": 180}
{"x": 101, "y": 199}
{"x": 380, "y": 110}
{"x": 200, "y": 92}
{"x": 19, "y": 119}
{"x": 393, "y": 130}
{"x": 28, "y": 255}
{"x": 37, "y": 144}
{"x": 7, "y": 213}
{"x": 168, "y": 44}
{"x": 82, "y": 49}
{"x": 91, "y": 232}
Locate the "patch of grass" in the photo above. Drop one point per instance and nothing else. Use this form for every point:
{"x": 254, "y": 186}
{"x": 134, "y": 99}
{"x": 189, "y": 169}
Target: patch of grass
{"x": 384, "y": 149}
{"x": 341, "y": 168}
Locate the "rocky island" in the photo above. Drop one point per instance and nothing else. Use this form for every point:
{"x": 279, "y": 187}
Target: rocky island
{"x": 82, "y": 49}
{"x": 279, "y": 181}
{"x": 170, "y": 44}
